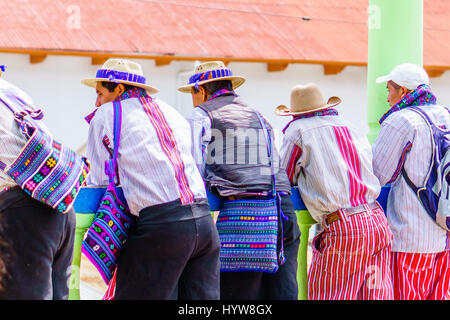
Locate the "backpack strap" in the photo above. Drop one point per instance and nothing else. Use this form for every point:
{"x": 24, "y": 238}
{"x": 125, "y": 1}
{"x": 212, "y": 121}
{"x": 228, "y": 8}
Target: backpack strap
{"x": 408, "y": 181}
{"x": 430, "y": 124}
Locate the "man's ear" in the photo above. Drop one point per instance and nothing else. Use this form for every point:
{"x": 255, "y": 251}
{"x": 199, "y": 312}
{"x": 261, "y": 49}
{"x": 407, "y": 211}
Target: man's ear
{"x": 204, "y": 93}
{"x": 404, "y": 91}
{"x": 120, "y": 89}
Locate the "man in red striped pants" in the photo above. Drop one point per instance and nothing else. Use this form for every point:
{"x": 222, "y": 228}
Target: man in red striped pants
{"x": 332, "y": 166}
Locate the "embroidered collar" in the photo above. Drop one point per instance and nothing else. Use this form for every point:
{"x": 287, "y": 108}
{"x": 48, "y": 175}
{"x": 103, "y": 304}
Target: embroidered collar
{"x": 419, "y": 97}
{"x": 326, "y": 112}
{"x": 133, "y": 93}
{"x": 221, "y": 92}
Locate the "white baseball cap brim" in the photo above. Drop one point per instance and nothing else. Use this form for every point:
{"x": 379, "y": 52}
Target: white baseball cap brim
{"x": 406, "y": 75}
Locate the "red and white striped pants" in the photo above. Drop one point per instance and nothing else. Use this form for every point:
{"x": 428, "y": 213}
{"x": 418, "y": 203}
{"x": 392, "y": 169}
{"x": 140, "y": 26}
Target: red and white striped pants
{"x": 351, "y": 259}
{"x": 421, "y": 276}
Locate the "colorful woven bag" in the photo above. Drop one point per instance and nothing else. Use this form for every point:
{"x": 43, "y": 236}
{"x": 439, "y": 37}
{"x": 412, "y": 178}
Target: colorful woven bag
{"x": 113, "y": 221}
{"x": 248, "y": 229}
{"x": 45, "y": 169}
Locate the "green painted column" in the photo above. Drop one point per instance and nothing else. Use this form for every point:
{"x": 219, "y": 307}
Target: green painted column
{"x": 85, "y": 206}
{"x": 305, "y": 221}
{"x": 395, "y": 37}
{"x": 84, "y": 221}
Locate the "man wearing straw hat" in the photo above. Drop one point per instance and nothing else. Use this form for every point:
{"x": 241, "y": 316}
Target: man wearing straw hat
{"x": 173, "y": 252}
{"x": 332, "y": 166}
{"x": 232, "y": 172}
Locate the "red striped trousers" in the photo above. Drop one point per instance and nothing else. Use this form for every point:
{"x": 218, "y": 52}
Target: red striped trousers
{"x": 421, "y": 276}
{"x": 351, "y": 259}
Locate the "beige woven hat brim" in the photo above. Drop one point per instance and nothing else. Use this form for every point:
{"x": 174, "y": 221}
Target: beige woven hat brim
{"x": 283, "y": 110}
{"x": 236, "y": 82}
{"x": 92, "y": 82}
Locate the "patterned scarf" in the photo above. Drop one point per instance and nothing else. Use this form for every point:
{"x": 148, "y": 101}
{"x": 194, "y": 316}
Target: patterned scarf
{"x": 422, "y": 96}
{"x": 322, "y": 113}
{"x": 221, "y": 92}
{"x": 133, "y": 93}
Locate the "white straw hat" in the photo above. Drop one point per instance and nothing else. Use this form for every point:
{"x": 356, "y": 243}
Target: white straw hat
{"x": 407, "y": 75}
{"x": 209, "y": 72}
{"x": 121, "y": 71}
{"x": 305, "y": 99}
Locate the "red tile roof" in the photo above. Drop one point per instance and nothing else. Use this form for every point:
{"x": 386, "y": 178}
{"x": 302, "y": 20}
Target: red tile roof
{"x": 315, "y": 31}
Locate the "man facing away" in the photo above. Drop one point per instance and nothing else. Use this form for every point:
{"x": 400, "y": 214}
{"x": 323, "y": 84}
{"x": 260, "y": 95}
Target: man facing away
{"x": 173, "y": 252}
{"x": 219, "y": 118}
{"x": 331, "y": 164}
{"x": 37, "y": 240}
{"x": 420, "y": 249}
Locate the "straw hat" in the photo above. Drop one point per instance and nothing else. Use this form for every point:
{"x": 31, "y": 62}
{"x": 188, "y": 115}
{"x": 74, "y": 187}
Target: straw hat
{"x": 209, "y": 72}
{"x": 121, "y": 71}
{"x": 306, "y": 99}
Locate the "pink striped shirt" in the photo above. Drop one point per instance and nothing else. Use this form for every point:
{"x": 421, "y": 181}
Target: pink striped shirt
{"x": 155, "y": 161}
{"x": 331, "y": 164}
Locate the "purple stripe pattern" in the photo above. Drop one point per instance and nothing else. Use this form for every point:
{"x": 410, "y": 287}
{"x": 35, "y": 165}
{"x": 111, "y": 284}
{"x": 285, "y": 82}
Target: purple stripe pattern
{"x": 117, "y": 75}
{"x": 213, "y": 74}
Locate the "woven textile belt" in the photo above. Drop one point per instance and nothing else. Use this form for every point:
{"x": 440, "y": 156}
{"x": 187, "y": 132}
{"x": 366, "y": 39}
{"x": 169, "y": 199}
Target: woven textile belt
{"x": 336, "y": 216}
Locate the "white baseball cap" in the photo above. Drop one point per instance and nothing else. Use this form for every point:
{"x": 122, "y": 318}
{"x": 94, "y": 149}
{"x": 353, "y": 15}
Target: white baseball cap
{"x": 407, "y": 75}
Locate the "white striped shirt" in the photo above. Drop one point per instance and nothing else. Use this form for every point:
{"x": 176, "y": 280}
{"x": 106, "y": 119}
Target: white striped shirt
{"x": 12, "y": 139}
{"x": 201, "y": 136}
{"x": 405, "y": 140}
{"x": 330, "y": 163}
{"x": 155, "y": 163}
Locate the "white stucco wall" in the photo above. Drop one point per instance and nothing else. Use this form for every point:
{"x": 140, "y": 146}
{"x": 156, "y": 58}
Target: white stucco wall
{"x": 55, "y": 86}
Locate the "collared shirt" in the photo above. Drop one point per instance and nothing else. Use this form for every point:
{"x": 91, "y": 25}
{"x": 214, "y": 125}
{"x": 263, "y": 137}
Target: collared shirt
{"x": 155, "y": 163}
{"x": 12, "y": 139}
{"x": 404, "y": 140}
{"x": 201, "y": 136}
{"x": 330, "y": 163}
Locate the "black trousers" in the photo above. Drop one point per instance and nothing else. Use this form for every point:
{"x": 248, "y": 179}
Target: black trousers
{"x": 172, "y": 254}
{"x": 38, "y": 246}
{"x": 282, "y": 285}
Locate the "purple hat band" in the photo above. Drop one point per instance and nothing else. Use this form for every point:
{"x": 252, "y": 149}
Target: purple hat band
{"x": 117, "y": 75}
{"x": 213, "y": 74}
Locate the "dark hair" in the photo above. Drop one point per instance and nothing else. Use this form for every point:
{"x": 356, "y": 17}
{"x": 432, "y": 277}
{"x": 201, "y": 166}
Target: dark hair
{"x": 394, "y": 85}
{"x": 111, "y": 86}
{"x": 213, "y": 86}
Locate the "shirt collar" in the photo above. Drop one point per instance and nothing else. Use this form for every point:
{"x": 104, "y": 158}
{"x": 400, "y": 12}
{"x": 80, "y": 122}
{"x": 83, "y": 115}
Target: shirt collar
{"x": 323, "y": 113}
{"x": 133, "y": 93}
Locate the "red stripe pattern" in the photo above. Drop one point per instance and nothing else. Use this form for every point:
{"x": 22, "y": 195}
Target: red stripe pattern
{"x": 348, "y": 150}
{"x": 351, "y": 259}
{"x": 421, "y": 276}
{"x": 292, "y": 163}
{"x": 168, "y": 145}
{"x": 111, "y": 290}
